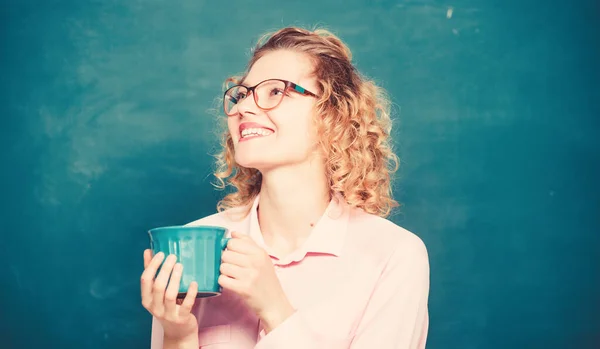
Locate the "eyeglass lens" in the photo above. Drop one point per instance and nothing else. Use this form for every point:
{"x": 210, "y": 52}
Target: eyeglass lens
{"x": 267, "y": 94}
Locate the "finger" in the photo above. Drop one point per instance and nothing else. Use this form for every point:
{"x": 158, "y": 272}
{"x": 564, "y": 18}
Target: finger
{"x": 173, "y": 289}
{"x": 231, "y": 270}
{"x": 147, "y": 279}
{"x": 154, "y": 263}
{"x": 190, "y": 298}
{"x": 227, "y": 283}
{"x": 235, "y": 258}
{"x": 160, "y": 285}
{"x": 238, "y": 235}
{"x": 147, "y": 257}
{"x": 241, "y": 245}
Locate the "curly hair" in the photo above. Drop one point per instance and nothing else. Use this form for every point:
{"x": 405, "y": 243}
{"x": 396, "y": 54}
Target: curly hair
{"x": 353, "y": 125}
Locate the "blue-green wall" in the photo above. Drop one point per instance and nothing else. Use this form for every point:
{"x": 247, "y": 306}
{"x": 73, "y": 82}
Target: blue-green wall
{"x": 107, "y": 130}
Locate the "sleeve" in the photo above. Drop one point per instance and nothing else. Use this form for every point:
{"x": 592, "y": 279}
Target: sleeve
{"x": 296, "y": 332}
{"x": 396, "y": 315}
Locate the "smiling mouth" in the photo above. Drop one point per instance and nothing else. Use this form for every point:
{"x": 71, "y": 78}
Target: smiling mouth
{"x": 254, "y": 133}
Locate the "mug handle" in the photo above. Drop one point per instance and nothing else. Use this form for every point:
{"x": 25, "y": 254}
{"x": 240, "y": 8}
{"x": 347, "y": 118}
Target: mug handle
{"x": 224, "y": 242}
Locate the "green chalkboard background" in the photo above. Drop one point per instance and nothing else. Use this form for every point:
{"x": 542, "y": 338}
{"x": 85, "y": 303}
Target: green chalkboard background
{"x": 107, "y": 130}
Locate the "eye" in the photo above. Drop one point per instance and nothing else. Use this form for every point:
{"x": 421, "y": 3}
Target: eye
{"x": 276, "y": 91}
{"x": 238, "y": 96}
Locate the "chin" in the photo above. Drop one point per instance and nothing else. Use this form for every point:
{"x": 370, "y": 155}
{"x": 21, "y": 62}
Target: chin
{"x": 260, "y": 162}
{"x": 264, "y": 160}
{"x": 251, "y": 162}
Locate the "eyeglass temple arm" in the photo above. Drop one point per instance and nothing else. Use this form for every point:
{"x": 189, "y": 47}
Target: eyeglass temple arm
{"x": 302, "y": 90}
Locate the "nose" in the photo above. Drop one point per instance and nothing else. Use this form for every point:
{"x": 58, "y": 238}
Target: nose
{"x": 248, "y": 105}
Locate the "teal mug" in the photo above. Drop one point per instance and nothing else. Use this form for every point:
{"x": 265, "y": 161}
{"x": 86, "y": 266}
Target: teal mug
{"x": 198, "y": 249}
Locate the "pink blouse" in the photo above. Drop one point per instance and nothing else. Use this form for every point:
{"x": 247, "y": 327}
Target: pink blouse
{"x": 358, "y": 282}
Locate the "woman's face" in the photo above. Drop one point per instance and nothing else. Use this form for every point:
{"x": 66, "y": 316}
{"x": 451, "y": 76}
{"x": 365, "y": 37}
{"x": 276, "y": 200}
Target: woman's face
{"x": 285, "y": 135}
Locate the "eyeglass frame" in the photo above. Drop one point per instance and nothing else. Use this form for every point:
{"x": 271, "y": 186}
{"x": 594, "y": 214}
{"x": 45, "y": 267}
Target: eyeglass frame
{"x": 288, "y": 84}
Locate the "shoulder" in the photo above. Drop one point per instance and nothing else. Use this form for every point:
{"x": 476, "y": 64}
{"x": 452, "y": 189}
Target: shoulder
{"x": 229, "y": 218}
{"x": 383, "y": 241}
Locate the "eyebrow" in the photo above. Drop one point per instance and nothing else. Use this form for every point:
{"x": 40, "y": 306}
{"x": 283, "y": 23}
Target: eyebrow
{"x": 241, "y": 82}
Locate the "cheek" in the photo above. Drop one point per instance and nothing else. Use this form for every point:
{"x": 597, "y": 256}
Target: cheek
{"x": 297, "y": 113}
{"x": 297, "y": 128}
{"x": 308, "y": 127}
{"x": 233, "y": 126}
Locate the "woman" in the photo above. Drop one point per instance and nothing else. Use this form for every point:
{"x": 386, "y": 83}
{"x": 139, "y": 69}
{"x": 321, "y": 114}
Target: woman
{"x": 312, "y": 262}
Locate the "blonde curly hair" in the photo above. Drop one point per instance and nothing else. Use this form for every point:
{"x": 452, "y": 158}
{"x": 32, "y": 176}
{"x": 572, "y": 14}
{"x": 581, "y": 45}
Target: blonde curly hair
{"x": 353, "y": 124}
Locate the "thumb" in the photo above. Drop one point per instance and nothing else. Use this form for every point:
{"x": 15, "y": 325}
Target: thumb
{"x": 237, "y": 235}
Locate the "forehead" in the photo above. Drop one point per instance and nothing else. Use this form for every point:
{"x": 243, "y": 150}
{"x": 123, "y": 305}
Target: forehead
{"x": 281, "y": 64}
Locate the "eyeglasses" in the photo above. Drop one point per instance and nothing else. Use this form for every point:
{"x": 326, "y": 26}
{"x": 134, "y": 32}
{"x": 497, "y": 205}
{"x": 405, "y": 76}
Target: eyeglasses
{"x": 267, "y": 94}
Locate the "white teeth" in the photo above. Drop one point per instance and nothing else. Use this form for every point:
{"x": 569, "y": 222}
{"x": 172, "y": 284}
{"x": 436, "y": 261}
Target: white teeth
{"x": 255, "y": 132}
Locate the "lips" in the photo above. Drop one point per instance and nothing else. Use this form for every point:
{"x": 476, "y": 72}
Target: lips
{"x": 250, "y": 130}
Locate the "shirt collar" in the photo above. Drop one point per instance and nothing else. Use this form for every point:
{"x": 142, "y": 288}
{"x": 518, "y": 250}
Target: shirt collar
{"x": 328, "y": 234}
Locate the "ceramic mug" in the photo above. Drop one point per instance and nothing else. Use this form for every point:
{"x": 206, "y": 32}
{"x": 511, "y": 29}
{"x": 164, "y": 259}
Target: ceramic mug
{"x": 198, "y": 249}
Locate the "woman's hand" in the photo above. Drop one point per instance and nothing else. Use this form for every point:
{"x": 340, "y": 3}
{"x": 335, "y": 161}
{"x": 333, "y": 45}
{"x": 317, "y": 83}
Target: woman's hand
{"x": 248, "y": 271}
{"x": 178, "y": 323}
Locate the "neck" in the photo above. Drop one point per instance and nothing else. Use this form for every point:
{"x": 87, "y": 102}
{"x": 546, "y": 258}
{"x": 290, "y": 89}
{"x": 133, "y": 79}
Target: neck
{"x": 291, "y": 201}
